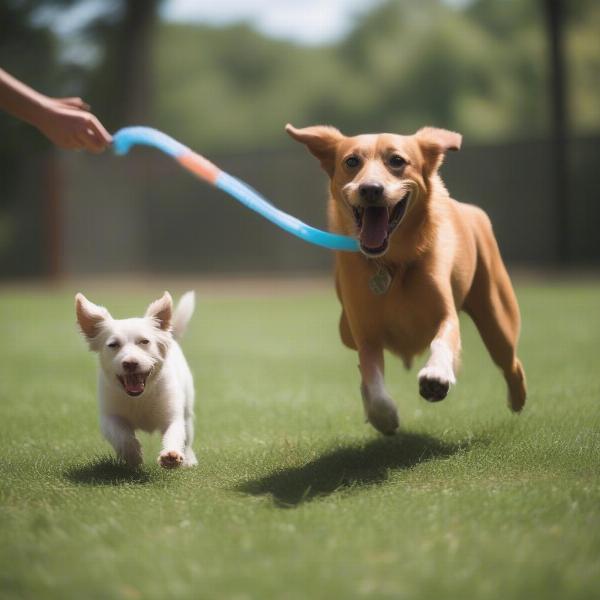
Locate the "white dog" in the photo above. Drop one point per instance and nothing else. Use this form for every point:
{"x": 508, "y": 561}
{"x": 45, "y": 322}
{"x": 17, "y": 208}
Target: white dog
{"x": 144, "y": 381}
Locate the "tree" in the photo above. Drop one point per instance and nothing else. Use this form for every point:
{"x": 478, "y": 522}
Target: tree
{"x": 555, "y": 17}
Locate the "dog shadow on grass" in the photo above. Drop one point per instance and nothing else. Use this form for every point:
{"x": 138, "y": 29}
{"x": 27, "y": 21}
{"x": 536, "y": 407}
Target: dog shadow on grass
{"x": 106, "y": 471}
{"x": 352, "y": 466}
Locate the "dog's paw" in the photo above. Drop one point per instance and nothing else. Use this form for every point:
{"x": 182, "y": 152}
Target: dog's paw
{"x": 132, "y": 455}
{"x": 170, "y": 459}
{"x": 190, "y": 458}
{"x": 384, "y": 418}
{"x": 380, "y": 411}
{"x": 434, "y": 383}
{"x": 517, "y": 388}
{"x": 133, "y": 461}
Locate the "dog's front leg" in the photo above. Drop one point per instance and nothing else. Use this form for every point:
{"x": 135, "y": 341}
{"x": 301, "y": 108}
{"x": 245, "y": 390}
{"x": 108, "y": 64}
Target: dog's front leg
{"x": 190, "y": 456}
{"x": 436, "y": 377}
{"x": 122, "y": 438}
{"x": 173, "y": 442}
{"x": 380, "y": 409}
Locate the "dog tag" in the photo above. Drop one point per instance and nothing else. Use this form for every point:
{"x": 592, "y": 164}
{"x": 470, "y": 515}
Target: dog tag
{"x": 380, "y": 282}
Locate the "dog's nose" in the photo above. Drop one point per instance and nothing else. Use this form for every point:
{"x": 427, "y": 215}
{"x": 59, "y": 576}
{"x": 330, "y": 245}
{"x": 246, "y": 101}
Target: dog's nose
{"x": 130, "y": 365}
{"x": 370, "y": 192}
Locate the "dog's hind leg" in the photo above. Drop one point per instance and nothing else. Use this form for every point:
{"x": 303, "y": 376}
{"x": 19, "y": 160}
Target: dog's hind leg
{"x": 122, "y": 438}
{"x": 380, "y": 409}
{"x": 492, "y": 305}
{"x": 345, "y": 332}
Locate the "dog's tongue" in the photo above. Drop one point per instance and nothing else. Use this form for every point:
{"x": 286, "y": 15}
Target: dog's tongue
{"x": 134, "y": 384}
{"x": 374, "y": 227}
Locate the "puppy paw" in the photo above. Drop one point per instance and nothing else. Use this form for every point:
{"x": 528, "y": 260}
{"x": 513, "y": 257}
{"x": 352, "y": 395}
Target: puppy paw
{"x": 434, "y": 383}
{"x": 132, "y": 455}
{"x": 190, "y": 458}
{"x": 170, "y": 459}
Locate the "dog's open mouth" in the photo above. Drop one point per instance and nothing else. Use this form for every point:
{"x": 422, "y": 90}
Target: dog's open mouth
{"x": 377, "y": 223}
{"x": 134, "y": 383}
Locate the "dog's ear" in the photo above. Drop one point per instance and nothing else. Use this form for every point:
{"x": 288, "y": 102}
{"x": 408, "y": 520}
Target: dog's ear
{"x": 161, "y": 311}
{"x": 321, "y": 140}
{"x": 434, "y": 144}
{"x": 90, "y": 317}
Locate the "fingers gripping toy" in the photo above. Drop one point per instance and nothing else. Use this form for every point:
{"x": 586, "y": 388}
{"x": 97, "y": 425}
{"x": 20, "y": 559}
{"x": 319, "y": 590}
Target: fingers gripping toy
{"x": 127, "y": 137}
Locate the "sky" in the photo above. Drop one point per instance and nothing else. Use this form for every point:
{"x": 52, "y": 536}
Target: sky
{"x": 310, "y": 22}
{"x": 304, "y": 21}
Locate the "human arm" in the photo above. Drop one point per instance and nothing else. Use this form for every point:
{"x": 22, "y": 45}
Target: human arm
{"x": 66, "y": 122}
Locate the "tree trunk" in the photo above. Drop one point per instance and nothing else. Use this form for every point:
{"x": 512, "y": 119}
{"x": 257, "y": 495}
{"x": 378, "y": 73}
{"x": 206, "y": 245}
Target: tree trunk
{"x": 560, "y": 169}
{"x": 123, "y": 85}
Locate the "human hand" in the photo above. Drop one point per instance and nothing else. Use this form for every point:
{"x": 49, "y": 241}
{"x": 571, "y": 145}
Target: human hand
{"x": 67, "y": 123}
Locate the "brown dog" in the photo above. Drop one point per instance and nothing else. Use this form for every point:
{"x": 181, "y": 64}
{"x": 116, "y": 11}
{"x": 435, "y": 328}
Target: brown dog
{"x": 423, "y": 258}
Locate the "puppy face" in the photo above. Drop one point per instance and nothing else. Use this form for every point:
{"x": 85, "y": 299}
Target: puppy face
{"x": 375, "y": 179}
{"x": 131, "y": 351}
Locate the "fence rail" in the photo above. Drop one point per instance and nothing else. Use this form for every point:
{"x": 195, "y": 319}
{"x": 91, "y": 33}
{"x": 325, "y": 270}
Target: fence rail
{"x": 143, "y": 213}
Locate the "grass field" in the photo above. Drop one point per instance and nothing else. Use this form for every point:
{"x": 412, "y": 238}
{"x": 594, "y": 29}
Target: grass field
{"x": 295, "y": 496}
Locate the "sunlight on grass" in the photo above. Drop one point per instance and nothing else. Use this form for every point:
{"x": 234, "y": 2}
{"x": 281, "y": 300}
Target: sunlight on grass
{"x": 295, "y": 497}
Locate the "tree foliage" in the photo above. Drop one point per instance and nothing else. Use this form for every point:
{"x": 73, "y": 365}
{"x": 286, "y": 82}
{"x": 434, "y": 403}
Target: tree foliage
{"x": 481, "y": 70}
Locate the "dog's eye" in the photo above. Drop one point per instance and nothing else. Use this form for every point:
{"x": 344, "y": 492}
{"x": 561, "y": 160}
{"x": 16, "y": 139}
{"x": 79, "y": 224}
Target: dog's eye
{"x": 144, "y": 342}
{"x": 352, "y": 162}
{"x": 113, "y": 344}
{"x": 396, "y": 161}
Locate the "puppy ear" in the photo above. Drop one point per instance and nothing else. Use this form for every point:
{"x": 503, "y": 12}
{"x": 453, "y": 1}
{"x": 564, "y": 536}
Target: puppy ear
{"x": 434, "y": 144}
{"x": 161, "y": 311}
{"x": 321, "y": 140}
{"x": 90, "y": 316}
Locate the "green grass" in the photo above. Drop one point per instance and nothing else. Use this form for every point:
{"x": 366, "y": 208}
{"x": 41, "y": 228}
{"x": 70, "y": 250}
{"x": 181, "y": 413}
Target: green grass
{"x": 295, "y": 496}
